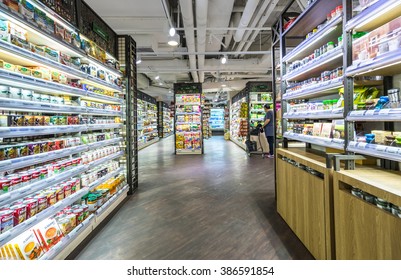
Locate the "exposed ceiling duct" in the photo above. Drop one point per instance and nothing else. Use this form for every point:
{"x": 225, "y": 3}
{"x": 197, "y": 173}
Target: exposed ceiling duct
{"x": 245, "y": 19}
{"x": 188, "y": 19}
{"x": 201, "y": 23}
{"x": 234, "y": 22}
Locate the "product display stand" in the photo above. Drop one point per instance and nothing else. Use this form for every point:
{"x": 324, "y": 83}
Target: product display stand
{"x": 164, "y": 120}
{"x": 239, "y": 119}
{"x": 206, "y": 113}
{"x": 188, "y": 119}
{"x": 63, "y": 159}
{"x": 148, "y": 133}
{"x": 339, "y": 100}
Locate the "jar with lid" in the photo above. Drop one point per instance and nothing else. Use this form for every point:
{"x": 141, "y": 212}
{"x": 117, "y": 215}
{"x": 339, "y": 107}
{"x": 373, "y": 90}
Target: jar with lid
{"x": 340, "y": 40}
{"x": 357, "y": 192}
{"x": 383, "y": 204}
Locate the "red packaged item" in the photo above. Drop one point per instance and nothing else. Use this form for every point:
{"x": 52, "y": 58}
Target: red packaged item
{"x": 42, "y": 202}
{"x": 19, "y": 213}
{"x": 31, "y": 207}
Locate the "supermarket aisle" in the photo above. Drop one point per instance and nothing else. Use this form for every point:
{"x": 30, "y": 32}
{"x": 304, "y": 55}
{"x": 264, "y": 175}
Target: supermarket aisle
{"x": 216, "y": 206}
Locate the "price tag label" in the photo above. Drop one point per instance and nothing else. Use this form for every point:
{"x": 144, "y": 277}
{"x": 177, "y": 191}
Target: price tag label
{"x": 370, "y": 112}
{"x": 381, "y": 148}
{"x": 392, "y": 150}
{"x": 384, "y": 112}
{"x": 357, "y": 113}
{"x": 352, "y": 144}
{"x": 362, "y": 145}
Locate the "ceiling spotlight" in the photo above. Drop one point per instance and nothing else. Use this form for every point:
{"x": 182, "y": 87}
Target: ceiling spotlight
{"x": 223, "y": 85}
{"x": 160, "y": 84}
{"x": 224, "y": 59}
{"x": 138, "y": 59}
{"x": 173, "y": 40}
{"x": 172, "y": 31}
{"x": 157, "y": 77}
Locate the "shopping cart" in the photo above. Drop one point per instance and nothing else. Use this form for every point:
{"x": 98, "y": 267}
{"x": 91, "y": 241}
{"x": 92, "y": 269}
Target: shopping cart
{"x": 252, "y": 147}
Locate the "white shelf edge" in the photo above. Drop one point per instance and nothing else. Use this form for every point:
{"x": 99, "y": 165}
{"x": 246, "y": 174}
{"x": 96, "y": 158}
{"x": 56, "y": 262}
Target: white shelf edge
{"x": 383, "y": 154}
{"x": 312, "y": 116}
{"x": 319, "y": 141}
{"x": 309, "y": 67}
{"x": 315, "y": 90}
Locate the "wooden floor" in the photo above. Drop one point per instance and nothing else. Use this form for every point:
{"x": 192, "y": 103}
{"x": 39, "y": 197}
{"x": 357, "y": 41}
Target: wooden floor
{"x": 216, "y": 206}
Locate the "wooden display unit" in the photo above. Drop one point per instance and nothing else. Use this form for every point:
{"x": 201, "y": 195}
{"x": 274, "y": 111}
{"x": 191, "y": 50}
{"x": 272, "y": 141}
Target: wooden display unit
{"x": 305, "y": 200}
{"x": 363, "y": 230}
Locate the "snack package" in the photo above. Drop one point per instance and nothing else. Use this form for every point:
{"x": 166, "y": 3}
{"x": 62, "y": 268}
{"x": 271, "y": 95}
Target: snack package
{"x": 40, "y": 18}
{"x": 59, "y": 31}
{"x": 16, "y": 40}
{"x": 27, "y": 246}
{"x": 65, "y": 59}
{"x": 37, "y": 49}
{"x": 48, "y": 233}
{"x": 41, "y": 72}
{"x": 26, "y": 9}
{"x": 68, "y": 37}
{"x": 4, "y": 31}
{"x": 7, "y": 66}
{"x": 52, "y": 54}
{"x": 23, "y": 70}
{"x": 49, "y": 25}
{"x": 12, "y": 4}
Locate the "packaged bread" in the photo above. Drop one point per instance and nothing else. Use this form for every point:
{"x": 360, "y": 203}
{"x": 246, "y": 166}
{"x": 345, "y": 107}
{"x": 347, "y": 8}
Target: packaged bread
{"x": 41, "y": 72}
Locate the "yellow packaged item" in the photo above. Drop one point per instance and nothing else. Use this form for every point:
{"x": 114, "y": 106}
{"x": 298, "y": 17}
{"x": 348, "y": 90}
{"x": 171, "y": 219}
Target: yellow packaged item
{"x": 7, "y": 66}
{"x": 27, "y": 246}
{"x": 23, "y": 70}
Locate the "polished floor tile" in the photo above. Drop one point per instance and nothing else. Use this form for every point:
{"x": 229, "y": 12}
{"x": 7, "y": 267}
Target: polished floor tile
{"x": 219, "y": 205}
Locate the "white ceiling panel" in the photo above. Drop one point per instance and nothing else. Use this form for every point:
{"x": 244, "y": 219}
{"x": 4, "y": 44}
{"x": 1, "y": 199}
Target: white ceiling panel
{"x": 124, "y": 8}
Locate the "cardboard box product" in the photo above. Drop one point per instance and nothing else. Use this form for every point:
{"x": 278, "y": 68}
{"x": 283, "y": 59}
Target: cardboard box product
{"x": 317, "y": 129}
{"x": 338, "y": 130}
{"x": 48, "y": 233}
{"x": 326, "y": 130}
{"x": 40, "y": 18}
{"x": 7, "y": 66}
{"x": 27, "y": 246}
{"x": 23, "y": 70}
{"x": 27, "y": 9}
{"x": 52, "y": 54}
{"x": 37, "y": 49}
{"x": 41, "y": 72}
{"x": 17, "y": 41}
{"x": 380, "y": 135}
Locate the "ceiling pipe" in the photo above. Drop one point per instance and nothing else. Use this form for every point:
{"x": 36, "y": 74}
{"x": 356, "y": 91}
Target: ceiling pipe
{"x": 262, "y": 22}
{"x": 255, "y": 21}
{"x": 249, "y": 10}
{"x": 201, "y": 24}
{"x": 188, "y": 19}
{"x": 234, "y": 22}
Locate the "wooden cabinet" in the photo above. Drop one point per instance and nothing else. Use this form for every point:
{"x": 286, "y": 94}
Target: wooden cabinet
{"x": 363, "y": 230}
{"x": 304, "y": 200}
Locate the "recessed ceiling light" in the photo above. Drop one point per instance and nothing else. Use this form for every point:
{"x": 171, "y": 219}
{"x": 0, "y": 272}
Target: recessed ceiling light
{"x": 160, "y": 84}
{"x": 172, "y": 31}
{"x": 223, "y": 85}
{"x": 138, "y": 59}
{"x": 174, "y": 40}
{"x": 224, "y": 59}
{"x": 157, "y": 77}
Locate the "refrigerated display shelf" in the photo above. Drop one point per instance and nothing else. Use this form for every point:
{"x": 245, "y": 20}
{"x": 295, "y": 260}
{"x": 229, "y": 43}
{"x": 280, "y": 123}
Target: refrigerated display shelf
{"x": 34, "y": 106}
{"x": 41, "y": 85}
{"x": 182, "y": 123}
{"x": 375, "y": 16}
{"x": 23, "y": 131}
{"x": 329, "y": 60}
{"x": 314, "y": 115}
{"x": 17, "y": 230}
{"x": 383, "y": 115}
{"x": 188, "y": 104}
{"x": 189, "y": 152}
{"x": 147, "y": 144}
{"x": 49, "y": 39}
{"x": 39, "y": 185}
{"x": 326, "y": 34}
{"x": 320, "y": 141}
{"x": 388, "y": 64}
{"x": 105, "y": 159}
{"x": 317, "y": 90}
{"x": 374, "y": 150}
{"x": 16, "y": 163}
{"x": 183, "y": 113}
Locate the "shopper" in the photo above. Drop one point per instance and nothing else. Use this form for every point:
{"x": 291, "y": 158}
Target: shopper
{"x": 268, "y": 127}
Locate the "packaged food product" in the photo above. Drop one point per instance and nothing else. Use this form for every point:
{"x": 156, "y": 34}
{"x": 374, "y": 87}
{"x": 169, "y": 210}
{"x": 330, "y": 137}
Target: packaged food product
{"x": 26, "y": 178}
{"x": 49, "y": 25}
{"x": 19, "y": 213}
{"x": 41, "y": 72}
{"x": 4, "y": 185}
{"x": 34, "y": 148}
{"x": 59, "y": 31}
{"x": 23, "y": 150}
{"x": 23, "y": 70}
{"x": 59, "y": 193}
{"x": 12, "y": 4}
{"x": 51, "y": 197}
{"x": 29, "y": 120}
{"x": 48, "y": 233}
{"x": 31, "y": 207}
{"x": 65, "y": 59}
{"x": 11, "y": 152}
{"x": 68, "y": 36}
{"x": 64, "y": 224}
{"x": 16, "y": 40}
{"x": 6, "y": 220}
{"x": 27, "y": 246}
{"x": 7, "y": 66}
{"x": 42, "y": 202}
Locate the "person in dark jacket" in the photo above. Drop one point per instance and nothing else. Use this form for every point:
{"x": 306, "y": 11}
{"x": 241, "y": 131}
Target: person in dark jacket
{"x": 268, "y": 127}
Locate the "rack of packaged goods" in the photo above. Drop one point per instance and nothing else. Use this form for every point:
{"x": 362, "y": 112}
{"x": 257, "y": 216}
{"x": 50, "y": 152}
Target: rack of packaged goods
{"x": 312, "y": 105}
{"x": 206, "y": 114}
{"x": 310, "y": 102}
{"x": 164, "y": 120}
{"x": 375, "y": 192}
{"x": 226, "y": 118}
{"x": 188, "y": 119}
{"x": 61, "y": 130}
{"x": 239, "y": 119}
{"x": 217, "y": 120}
{"x": 148, "y": 133}
{"x": 260, "y": 94}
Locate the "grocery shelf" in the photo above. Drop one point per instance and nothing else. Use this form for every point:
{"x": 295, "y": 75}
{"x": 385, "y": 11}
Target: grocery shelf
{"x": 101, "y": 83}
{"x": 44, "y": 86}
{"x": 375, "y": 16}
{"x": 183, "y": 113}
{"x": 104, "y": 159}
{"x": 69, "y": 242}
{"x": 111, "y": 204}
{"x": 383, "y": 115}
{"x": 103, "y": 126}
{"x": 315, "y": 115}
{"x": 147, "y": 144}
{"x": 44, "y": 37}
{"x": 34, "y": 106}
{"x": 17, "y": 230}
{"x": 388, "y": 64}
{"x": 374, "y": 150}
{"x": 181, "y": 123}
{"x": 16, "y": 163}
{"x": 320, "y": 141}
{"x": 188, "y": 104}
{"x": 40, "y": 185}
{"x": 326, "y": 34}
{"x": 104, "y": 143}
{"x": 316, "y": 90}
{"x": 103, "y": 179}
{"x": 311, "y": 17}
{"x": 329, "y": 60}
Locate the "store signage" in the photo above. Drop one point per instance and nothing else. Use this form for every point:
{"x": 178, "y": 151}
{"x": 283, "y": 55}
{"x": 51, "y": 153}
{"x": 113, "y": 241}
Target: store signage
{"x": 99, "y": 31}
